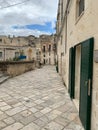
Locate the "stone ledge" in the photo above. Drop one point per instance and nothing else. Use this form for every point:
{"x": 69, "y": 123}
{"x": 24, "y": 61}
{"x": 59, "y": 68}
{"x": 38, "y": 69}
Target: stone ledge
{"x": 16, "y": 68}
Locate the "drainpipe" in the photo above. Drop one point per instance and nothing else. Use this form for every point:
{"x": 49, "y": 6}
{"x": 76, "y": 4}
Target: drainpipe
{"x": 66, "y": 32}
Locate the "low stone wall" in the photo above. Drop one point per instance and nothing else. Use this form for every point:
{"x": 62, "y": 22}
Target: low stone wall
{"x": 16, "y": 68}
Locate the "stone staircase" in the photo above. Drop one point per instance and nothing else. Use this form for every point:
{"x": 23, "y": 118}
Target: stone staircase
{"x": 3, "y": 77}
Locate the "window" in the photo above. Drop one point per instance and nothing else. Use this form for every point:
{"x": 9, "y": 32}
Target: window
{"x": 49, "y": 48}
{"x": 16, "y": 54}
{"x": 0, "y": 54}
{"x": 11, "y": 40}
{"x": 0, "y": 40}
{"x": 54, "y": 47}
{"x": 43, "y": 48}
{"x": 80, "y": 7}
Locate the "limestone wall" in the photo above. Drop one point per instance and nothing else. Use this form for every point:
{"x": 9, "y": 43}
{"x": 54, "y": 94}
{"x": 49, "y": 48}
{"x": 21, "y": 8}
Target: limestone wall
{"x": 29, "y": 45}
{"x": 16, "y": 68}
{"x": 49, "y": 54}
{"x": 78, "y": 30}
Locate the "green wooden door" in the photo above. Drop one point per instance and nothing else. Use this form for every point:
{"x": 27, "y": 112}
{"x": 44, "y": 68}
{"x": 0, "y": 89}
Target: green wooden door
{"x": 86, "y": 82}
{"x": 71, "y": 71}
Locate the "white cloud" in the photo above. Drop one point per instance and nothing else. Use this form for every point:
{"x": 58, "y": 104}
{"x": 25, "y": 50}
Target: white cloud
{"x": 8, "y": 30}
{"x": 31, "y": 12}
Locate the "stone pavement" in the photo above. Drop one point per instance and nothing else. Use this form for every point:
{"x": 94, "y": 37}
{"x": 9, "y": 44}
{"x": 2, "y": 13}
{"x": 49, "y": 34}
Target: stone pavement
{"x": 37, "y": 100}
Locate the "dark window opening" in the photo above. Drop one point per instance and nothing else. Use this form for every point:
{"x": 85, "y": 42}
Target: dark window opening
{"x": 0, "y": 40}
{"x": 49, "y": 48}
{"x": 11, "y": 40}
{"x": 0, "y": 54}
{"x": 81, "y": 6}
{"x": 17, "y": 54}
{"x": 49, "y": 61}
{"x": 44, "y": 61}
{"x": 44, "y": 49}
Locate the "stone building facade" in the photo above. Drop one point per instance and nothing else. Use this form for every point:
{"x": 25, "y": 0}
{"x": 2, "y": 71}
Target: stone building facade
{"x": 13, "y": 47}
{"x": 28, "y": 48}
{"x": 48, "y": 50}
{"x": 77, "y": 54}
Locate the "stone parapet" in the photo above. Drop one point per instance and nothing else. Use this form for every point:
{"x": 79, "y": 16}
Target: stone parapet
{"x": 16, "y": 68}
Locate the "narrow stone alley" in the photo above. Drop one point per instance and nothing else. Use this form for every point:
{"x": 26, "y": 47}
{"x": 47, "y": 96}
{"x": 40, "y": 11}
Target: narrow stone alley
{"x": 37, "y": 100}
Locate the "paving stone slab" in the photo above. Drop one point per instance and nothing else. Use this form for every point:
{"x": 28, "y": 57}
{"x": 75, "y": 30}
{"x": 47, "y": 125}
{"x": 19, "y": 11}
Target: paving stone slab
{"x": 2, "y": 124}
{"x": 53, "y": 126}
{"x": 31, "y": 126}
{"x": 9, "y": 120}
{"x": 15, "y": 126}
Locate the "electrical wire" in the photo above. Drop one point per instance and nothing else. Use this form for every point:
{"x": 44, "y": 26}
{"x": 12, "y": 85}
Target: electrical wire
{"x": 14, "y": 4}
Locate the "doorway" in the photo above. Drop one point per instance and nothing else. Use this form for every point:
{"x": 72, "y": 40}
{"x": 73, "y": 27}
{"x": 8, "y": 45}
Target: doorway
{"x": 77, "y": 74}
{"x": 80, "y": 79}
{"x": 44, "y": 61}
{"x": 86, "y": 83}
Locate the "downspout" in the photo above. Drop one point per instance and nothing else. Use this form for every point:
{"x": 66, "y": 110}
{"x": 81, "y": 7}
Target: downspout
{"x": 66, "y": 33}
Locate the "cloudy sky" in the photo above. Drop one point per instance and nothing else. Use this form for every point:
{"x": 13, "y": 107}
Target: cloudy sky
{"x": 32, "y": 17}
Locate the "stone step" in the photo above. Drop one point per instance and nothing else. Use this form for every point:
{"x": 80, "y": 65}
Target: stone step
{"x": 4, "y": 78}
{"x": 1, "y": 75}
